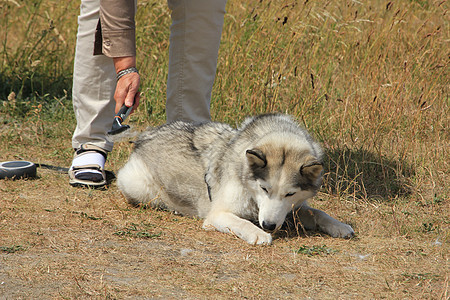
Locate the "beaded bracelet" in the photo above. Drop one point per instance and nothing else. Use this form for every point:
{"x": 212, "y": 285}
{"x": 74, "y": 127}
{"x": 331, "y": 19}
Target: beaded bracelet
{"x": 127, "y": 71}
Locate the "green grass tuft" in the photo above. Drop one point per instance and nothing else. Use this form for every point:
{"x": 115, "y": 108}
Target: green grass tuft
{"x": 315, "y": 250}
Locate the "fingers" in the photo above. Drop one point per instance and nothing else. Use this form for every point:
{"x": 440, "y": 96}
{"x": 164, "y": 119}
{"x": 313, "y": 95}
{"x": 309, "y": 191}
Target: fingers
{"x": 127, "y": 91}
{"x": 137, "y": 100}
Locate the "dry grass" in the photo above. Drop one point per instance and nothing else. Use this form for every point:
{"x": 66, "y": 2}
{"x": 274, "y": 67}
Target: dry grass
{"x": 369, "y": 79}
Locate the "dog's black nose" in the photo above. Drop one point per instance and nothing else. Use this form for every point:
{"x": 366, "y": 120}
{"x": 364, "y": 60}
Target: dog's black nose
{"x": 268, "y": 226}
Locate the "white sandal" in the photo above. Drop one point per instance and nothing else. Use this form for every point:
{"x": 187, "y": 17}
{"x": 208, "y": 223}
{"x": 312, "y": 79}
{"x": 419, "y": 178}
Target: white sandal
{"x": 87, "y": 168}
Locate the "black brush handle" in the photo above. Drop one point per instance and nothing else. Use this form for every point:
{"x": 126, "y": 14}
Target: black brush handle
{"x": 124, "y": 112}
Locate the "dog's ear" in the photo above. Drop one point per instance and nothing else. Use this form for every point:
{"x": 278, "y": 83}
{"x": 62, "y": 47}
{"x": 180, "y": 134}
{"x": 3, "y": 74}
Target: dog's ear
{"x": 256, "y": 157}
{"x": 312, "y": 169}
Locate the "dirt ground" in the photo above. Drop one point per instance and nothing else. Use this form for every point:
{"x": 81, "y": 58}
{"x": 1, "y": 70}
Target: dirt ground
{"x": 59, "y": 242}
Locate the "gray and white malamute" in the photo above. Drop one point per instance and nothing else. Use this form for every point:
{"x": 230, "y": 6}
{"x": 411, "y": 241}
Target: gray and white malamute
{"x": 231, "y": 177}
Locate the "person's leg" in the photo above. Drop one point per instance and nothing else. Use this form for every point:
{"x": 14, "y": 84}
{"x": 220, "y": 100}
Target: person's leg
{"x": 194, "y": 45}
{"x": 94, "y": 83}
{"x": 93, "y": 102}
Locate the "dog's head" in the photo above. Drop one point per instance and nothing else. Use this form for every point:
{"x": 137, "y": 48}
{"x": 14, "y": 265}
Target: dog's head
{"x": 282, "y": 178}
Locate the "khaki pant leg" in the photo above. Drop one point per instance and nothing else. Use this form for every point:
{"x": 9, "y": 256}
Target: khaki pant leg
{"x": 94, "y": 83}
{"x": 194, "y": 45}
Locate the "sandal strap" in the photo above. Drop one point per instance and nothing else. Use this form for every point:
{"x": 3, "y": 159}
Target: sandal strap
{"x": 87, "y": 167}
{"x": 88, "y": 160}
{"x": 91, "y": 148}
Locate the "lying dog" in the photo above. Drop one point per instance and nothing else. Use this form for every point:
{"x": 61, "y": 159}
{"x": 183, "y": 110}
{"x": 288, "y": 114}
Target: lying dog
{"x": 230, "y": 177}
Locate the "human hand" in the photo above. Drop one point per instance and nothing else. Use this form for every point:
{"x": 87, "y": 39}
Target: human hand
{"x": 127, "y": 88}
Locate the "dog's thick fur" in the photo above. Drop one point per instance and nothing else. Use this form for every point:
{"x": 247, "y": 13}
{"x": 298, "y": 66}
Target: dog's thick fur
{"x": 230, "y": 177}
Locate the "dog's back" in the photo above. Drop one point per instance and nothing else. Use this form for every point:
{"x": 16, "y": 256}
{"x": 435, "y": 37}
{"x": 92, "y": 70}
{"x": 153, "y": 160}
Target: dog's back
{"x": 168, "y": 165}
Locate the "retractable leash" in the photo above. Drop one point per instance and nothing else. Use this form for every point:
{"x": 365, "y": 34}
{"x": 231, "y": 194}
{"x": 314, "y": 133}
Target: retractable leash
{"x": 17, "y": 169}
{"x": 21, "y": 169}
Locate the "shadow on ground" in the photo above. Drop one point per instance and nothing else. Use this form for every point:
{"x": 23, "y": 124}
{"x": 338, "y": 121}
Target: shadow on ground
{"x": 365, "y": 175}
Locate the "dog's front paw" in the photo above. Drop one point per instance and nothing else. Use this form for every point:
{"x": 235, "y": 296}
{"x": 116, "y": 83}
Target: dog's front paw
{"x": 256, "y": 236}
{"x": 246, "y": 231}
{"x": 340, "y": 230}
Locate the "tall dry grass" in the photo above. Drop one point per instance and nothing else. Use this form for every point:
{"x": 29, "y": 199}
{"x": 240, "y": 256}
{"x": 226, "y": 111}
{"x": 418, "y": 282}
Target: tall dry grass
{"x": 36, "y": 53}
{"x": 370, "y": 79}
